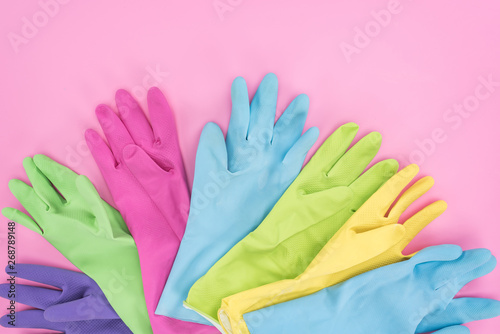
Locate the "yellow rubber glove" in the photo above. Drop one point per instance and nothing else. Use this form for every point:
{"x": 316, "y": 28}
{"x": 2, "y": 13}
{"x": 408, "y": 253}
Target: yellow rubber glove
{"x": 371, "y": 238}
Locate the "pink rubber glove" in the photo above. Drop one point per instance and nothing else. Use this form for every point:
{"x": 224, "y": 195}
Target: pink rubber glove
{"x": 144, "y": 171}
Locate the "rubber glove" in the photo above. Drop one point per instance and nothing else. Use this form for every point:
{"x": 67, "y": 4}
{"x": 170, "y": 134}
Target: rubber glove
{"x": 236, "y": 183}
{"x": 400, "y": 298}
{"x": 322, "y": 198}
{"x": 144, "y": 171}
{"x": 70, "y": 214}
{"x": 371, "y": 238}
{"x": 77, "y": 305}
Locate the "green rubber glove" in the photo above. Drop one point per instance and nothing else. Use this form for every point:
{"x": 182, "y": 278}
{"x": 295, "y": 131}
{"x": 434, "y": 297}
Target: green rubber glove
{"x": 70, "y": 214}
{"x": 323, "y": 197}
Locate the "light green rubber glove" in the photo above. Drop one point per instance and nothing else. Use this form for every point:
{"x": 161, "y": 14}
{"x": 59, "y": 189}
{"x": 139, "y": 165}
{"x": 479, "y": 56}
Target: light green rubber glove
{"x": 326, "y": 193}
{"x": 70, "y": 214}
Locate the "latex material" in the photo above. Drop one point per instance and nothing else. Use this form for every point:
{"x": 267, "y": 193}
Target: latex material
{"x": 76, "y": 305}
{"x": 236, "y": 183}
{"x": 395, "y": 299}
{"x": 70, "y": 214}
{"x": 371, "y": 238}
{"x": 321, "y": 199}
{"x": 144, "y": 171}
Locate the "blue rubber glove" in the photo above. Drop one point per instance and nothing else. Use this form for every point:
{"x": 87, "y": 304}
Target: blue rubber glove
{"x": 414, "y": 296}
{"x": 77, "y": 306}
{"x": 236, "y": 183}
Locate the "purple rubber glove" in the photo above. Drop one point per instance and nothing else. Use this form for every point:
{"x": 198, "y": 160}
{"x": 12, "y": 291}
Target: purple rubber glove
{"x": 144, "y": 171}
{"x": 77, "y": 306}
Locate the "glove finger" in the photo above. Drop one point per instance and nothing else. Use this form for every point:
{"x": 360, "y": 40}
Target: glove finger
{"x": 460, "y": 311}
{"x": 480, "y": 271}
{"x": 240, "y": 118}
{"x": 32, "y": 319}
{"x": 60, "y": 176}
{"x": 115, "y": 131}
{"x": 420, "y": 220}
{"x": 451, "y": 276}
{"x": 21, "y": 218}
{"x": 33, "y": 296}
{"x": 332, "y": 150}
{"x": 295, "y": 157}
{"x": 290, "y": 125}
{"x": 56, "y": 277}
{"x": 102, "y": 154}
{"x": 162, "y": 118}
{"x": 84, "y": 309}
{"x": 353, "y": 163}
{"x": 134, "y": 118}
{"x": 382, "y": 200}
{"x": 454, "y": 330}
{"x": 211, "y": 155}
{"x": 27, "y": 196}
{"x": 370, "y": 181}
{"x": 41, "y": 184}
{"x": 263, "y": 111}
{"x": 417, "y": 190}
{"x": 436, "y": 254}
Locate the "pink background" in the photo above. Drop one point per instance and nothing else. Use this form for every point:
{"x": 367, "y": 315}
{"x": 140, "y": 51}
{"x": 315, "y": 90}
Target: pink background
{"x": 402, "y": 82}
